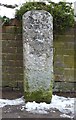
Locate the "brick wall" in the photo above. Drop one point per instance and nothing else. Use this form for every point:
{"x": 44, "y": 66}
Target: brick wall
{"x": 64, "y": 61}
{"x": 12, "y": 59}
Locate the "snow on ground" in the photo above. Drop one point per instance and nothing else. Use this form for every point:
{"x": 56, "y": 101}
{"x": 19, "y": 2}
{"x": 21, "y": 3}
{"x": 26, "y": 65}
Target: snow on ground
{"x": 67, "y": 116}
{"x": 63, "y": 104}
{"x": 5, "y": 102}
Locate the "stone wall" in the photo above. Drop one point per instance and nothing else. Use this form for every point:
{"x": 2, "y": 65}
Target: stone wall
{"x": 12, "y": 59}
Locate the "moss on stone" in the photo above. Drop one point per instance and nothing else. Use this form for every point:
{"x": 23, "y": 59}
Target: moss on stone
{"x": 39, "y": 96}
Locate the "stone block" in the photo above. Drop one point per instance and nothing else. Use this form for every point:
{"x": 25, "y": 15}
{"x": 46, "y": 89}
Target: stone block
{"x": 38, "y": 55}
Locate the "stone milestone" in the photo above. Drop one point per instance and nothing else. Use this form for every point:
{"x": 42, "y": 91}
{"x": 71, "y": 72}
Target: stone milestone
{"x": 38, "y": 55}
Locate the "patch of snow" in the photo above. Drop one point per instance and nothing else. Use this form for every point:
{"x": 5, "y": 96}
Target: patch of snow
{"x": 64, "y": 115}
{"x": 12, "y": 2}
{"x": 10, "y": 13}
{"x": 37, "y": 107}
{"x": 4, "y": 102}
{"x": 63, "y": 104}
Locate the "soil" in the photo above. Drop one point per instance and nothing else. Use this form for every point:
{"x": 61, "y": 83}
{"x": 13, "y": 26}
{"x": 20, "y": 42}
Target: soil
{"x": 15, "y": 111}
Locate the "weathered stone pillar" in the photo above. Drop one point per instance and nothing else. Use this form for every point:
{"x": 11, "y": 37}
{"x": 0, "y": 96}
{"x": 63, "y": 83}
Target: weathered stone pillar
{"x": 38, "y": 55}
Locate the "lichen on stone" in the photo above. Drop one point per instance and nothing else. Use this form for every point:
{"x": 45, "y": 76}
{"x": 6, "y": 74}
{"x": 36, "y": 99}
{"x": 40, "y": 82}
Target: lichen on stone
{"x": 38, "y": 55}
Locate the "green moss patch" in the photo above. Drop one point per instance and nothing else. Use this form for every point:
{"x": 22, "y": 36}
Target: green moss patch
{"x": 38, "y": 96}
